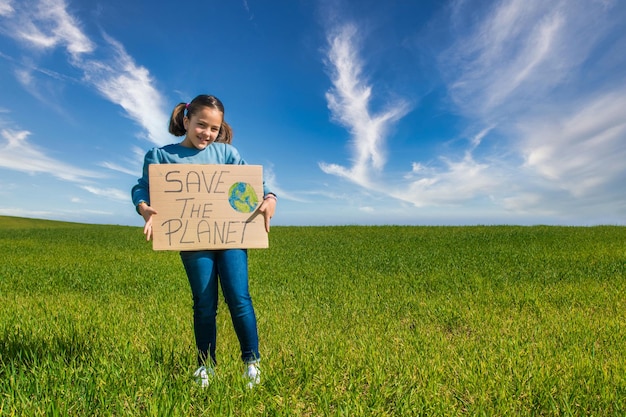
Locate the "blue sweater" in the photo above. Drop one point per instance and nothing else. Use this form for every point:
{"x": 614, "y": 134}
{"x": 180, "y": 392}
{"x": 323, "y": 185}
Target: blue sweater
{"x": 215, "y": 153}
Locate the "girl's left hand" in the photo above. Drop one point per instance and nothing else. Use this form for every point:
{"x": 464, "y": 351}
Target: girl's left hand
{"x": 267, "y": 208}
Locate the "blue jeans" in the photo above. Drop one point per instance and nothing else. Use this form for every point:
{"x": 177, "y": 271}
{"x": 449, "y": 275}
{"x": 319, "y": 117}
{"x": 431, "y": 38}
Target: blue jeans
{"x": 203, "y": 269}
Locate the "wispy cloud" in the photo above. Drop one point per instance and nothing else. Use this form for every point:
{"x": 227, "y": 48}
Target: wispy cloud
{"x": 6, "y": 8}
{"x": 581, "y": 151}
{"x": 119, "y": 168}
{"x": 67, "y": 215}
{"x": 17, "y": 153}
{"x": 131, "y": 86}
{"x": 270, "y": 178}
{"x": 517, "y": 52}
{"x": 530, "y": 74}
{"x": 46, "y": 24}
{"x": 111, "y": 193}
{"x": 349, "y": 102}
{"x": 456, "y": 182}
{"x": 246, "y": 7}
{"x": 545, "y": 122}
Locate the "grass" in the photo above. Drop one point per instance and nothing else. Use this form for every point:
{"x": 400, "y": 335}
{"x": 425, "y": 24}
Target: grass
{"x": 382, "y": 321}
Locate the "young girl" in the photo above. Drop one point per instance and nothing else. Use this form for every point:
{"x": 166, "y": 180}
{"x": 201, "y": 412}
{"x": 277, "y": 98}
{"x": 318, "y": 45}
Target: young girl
{"x": 207, "y": 141}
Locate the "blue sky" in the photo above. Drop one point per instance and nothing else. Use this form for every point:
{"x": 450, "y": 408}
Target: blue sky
{"x": 360, "y": 111}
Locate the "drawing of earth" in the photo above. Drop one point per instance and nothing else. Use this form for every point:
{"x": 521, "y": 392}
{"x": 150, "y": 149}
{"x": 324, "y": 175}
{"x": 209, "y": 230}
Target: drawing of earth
{"x": 242, "y": 197}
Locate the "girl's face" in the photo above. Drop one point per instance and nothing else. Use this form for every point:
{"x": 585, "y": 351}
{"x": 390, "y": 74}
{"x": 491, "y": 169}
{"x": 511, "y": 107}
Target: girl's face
{"x": 202, "y": 128}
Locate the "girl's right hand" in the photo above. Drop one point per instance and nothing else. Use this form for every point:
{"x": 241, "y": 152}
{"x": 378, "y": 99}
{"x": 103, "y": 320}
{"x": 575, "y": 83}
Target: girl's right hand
{"x": 147, "y": 212}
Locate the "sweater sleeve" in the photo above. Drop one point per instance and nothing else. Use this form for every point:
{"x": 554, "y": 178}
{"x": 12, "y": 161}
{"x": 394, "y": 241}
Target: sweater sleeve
{"x": 141, "y": 191}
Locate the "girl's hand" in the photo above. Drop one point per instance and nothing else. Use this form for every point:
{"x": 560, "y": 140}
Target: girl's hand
{"x": 147, "y": 212}
{"x": 268, "y": 206}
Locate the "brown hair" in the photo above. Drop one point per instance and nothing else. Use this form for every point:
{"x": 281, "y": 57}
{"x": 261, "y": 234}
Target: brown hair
{"x": 177, "y": 127}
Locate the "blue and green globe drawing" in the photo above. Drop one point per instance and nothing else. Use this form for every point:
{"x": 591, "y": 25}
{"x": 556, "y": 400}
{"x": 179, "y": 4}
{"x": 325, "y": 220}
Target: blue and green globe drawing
{"x": 242, "y": 197}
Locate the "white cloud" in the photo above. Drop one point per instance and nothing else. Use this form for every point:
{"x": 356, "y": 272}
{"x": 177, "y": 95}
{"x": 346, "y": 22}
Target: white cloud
{"x": 41, "y": 91}
{"x": 270, "y": 179}
{"x": 582, "y": 151}
{"x": 529, "y": 71}
{"x": 111, "y": 193}
{"x": 116, "y": 167}
{"x": 246, "y": 7}
{"x": 455, "y": 183}
{"x": 24, "y": 77}
{"x": 531, "y": 80}
{"x": 6, "y": 8}
{"x": 131, "y": 86}
{"x": 62, "y": 215}
{"x": 46, "y": 24}
{"x": 17, "y": 212}
{"x": 519, "y": 52}
{"x": 18, "y": 154}
{"x": 349, "y": 102}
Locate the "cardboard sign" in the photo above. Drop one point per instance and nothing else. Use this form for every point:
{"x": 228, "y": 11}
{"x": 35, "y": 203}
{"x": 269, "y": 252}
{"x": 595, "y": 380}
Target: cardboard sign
{"x": 207, "y": 206}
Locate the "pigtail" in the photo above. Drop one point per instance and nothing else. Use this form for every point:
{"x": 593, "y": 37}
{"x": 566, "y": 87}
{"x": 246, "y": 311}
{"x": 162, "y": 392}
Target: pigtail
{"x": 177, "y": 126}
{"x": 226, "y": 133}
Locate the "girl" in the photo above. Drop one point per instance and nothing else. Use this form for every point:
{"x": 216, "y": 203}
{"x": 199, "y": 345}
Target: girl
{"x": 207, "y": 141}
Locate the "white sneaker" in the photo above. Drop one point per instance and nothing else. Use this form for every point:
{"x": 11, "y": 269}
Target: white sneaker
{"x": 202, "y": 376}
{"x": 252, "y": 375}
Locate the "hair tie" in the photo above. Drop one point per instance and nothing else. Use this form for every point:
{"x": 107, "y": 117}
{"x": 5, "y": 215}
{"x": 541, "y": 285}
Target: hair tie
{"x": 187, "y": 106}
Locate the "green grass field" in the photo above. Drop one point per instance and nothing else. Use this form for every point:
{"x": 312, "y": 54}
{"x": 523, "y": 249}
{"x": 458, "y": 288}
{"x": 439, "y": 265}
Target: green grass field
{"x": 354, "y": 321}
